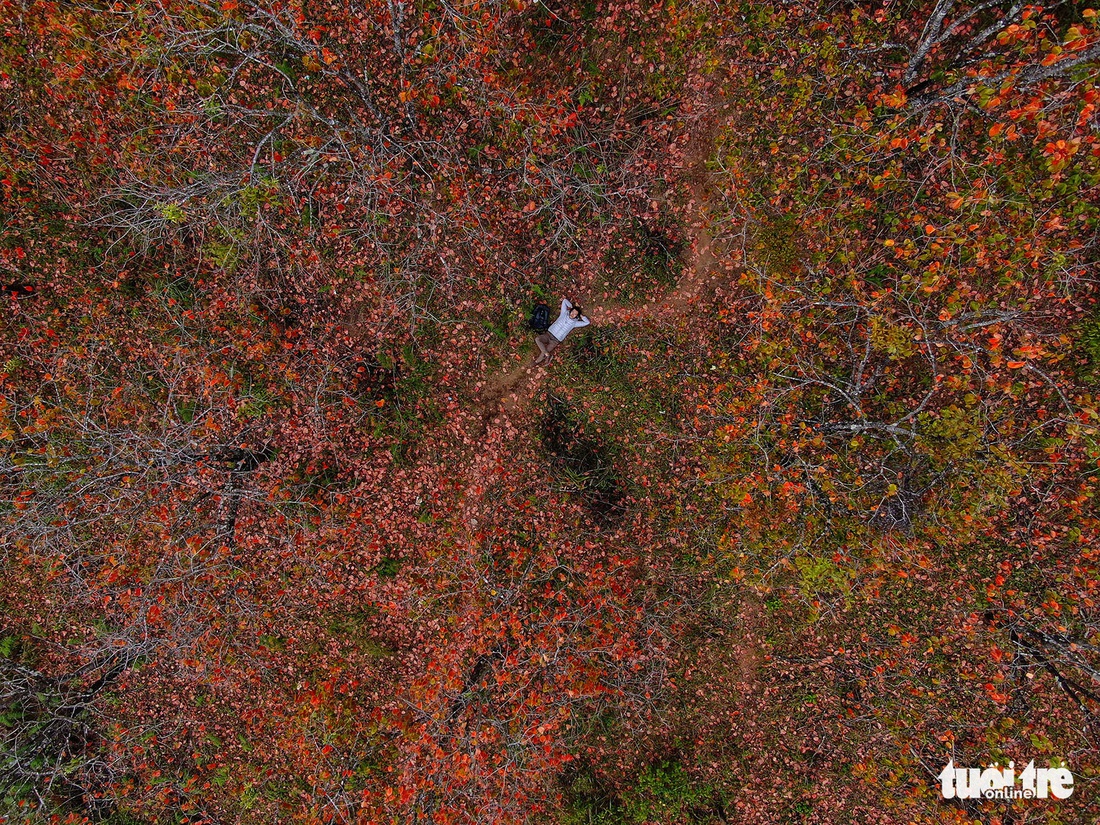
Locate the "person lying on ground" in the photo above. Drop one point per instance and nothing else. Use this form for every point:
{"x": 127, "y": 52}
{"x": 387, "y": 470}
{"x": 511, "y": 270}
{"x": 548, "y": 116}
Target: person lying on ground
{"x": 570, "y": 318}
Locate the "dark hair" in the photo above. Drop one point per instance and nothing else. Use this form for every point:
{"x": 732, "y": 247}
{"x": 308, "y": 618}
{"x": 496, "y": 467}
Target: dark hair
{"x": 579, "y": 310}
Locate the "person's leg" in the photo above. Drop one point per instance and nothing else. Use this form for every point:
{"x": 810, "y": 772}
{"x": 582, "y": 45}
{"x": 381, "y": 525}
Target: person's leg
{"x": 540, "y": 342}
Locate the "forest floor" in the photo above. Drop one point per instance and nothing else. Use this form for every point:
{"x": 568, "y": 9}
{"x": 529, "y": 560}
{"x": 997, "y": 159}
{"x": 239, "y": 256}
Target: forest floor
{"x": 705, "y": 267}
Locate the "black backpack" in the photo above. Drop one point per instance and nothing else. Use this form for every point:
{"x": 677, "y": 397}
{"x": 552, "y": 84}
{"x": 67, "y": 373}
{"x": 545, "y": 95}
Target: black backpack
{"x": 540, "y": 318}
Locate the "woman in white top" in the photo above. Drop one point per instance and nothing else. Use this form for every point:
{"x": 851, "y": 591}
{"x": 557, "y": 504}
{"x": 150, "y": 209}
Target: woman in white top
{"x": 569, "y": 319}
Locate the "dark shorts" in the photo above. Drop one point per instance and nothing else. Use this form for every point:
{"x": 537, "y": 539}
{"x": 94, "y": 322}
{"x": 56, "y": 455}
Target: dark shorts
{"x": 548, "y": 341}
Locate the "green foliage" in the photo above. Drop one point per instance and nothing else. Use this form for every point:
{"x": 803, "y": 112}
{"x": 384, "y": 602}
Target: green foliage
{"x": 10, "y": 647}
{"x": 250, "y": 795}
{"x": 176, "y": 293}
{"x": 376, "y": 649}
{"x": 273, "y": 642}
{"x": 264, "y": 193}
{"x": 547, "y": 28}
{"x": 895, "y": 341}
{"x": 223, "y": 256}
{"x": 221, "y": 776}
{"x": 387, "y": 568}
{"x": 310, "y": 216}
{"x": 256, "y": 404}
{"x": 172, "y": 212}
{"x": 776, "y": 242}
{"x": 1088, "y": 344}
{"x": 185, "y": 409}
{"x": 663, "y": 793}
{"x": 409, "y": 407}
{"x": 643, "y": 260}
{"x": 953, "y": 433}
{"x": 821, "y": 576}
{"x": 123, "y": 817}
{"x": 601, "y": 356}
{"x": 591, "y": 804}
{"x": 498, "y": 320}
{"x": 582, "y": 461}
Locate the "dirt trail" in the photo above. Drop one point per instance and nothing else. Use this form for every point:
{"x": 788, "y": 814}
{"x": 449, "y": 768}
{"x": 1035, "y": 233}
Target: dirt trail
{"x": 701, "y": 270}
{"x": 706, "y": 267}
{"x": 506, "y": 392}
